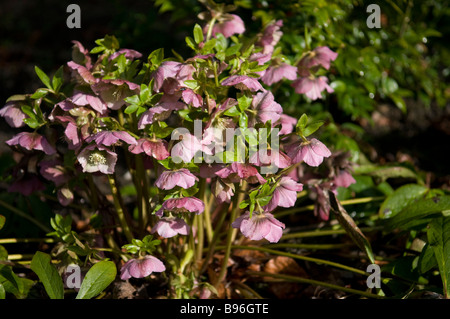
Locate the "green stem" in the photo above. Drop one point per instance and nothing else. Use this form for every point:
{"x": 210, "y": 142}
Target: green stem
{"x": 309, "y": 246}
{"x": 26, "y": 216}
{"x": 210, "y": 28}
{"x": 231, "y": 233}
{"x": 199, "y": 223}
{"x": 119, "y": 208}
{"x": 325, "y": 232}
{"x": 315, "y": 283}
{"x": 26, "y": 240}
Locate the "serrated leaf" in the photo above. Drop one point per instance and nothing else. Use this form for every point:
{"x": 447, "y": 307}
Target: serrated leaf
{"x": 439, "y": 239}
{"x": 97, "y": 279}
{"x": 400, "y": 198}
{"x": 44, "y": 78}
{"x": 350, "y": 226}
{"x": 48, "y": 275}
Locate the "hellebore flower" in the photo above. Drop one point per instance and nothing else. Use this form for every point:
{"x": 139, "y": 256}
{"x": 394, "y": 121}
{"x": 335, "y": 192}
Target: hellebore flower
{"x": 311, "y": 152}
{"x": 237, "y": 171}
{"x": 32, "y": 141}
{"x": 222, "y": 191}
{"x": 285, "y": 194}
{"x": 287, "y": 124}
{"x": 97, "y": 159}
{"x": 65, "y": 196}
{"x": 13, "y": 114}
{"x": 243, "y": 82}
{"x": 128, "y": 53}
{"x": 312, "y": 87}
{"x": 156, "y": 148}
{"x": 82, "y": 73}
{"x": 114, "y": 92}
{"x": 161, "y": 110}
{"x": 270, "y": 157}
{"x": 228, "y": 24}
{"x": 27, "y": 184}
{"x": 259, "y": 226}
{"x": 270, "y": 37}
{"x": 185, "y": 150}
{"x": 191, "y": 98}
{"x": 266, "y": 107}
{"x": 182, "y": 205}
{"x": 180, "y": 177}
{"x": 54, "y": 171}
{"x": 319, "y": 56}
{"x": 276, "y": 73}
{"x": 96, "y": 103}
{"x": 80, "y": 55}
{"x": 140, "y": 268}
{"x": 109, "y": 138}
{"x": 343, "y": 179}
{"x": 168, "y": 227}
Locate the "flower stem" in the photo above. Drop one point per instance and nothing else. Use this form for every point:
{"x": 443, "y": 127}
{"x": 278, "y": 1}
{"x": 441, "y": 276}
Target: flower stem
{"x": 231, "y": 233}
{"x": 24, "y": 215}
{"x": 119, "y": 208}
{"x": 210, "y": 28}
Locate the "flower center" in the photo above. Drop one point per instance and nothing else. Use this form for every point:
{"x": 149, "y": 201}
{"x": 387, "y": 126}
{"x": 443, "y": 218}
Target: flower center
{"x": 97, "y": 158}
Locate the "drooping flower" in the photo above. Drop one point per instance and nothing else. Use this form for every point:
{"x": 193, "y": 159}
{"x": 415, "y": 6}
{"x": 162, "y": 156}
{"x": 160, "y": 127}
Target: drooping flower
{"x": 319, "y": 56}
{"x": 343, "y": 179}
{"x": 192, "y": 98}
{"x": 109, "y": 138}
{"x": 96, "y": 103}
{"x": 270, "y": 157}
{"x": 65, "y": 196}
{"x": 259, "y": 226}
{"x": 285, "y": 194}
{"x": 13, "y": 114}
{"x": 32, "y": 141}
{"x": 114, "y": 92}
{"x": 53, "y": 170}
{"x": 82, "y": 73}
{"x": 168, "y": 227}
{"x": 237, "y": 171}
{"x": 142, "y": 267}
{"x": 156, "y": 148}
{"x": 311, "y": 86}
{"x": 128, "y": 53}
{"x": 243, "y": 82}
{"x": 222, "y": 190}
{"x": 161, "y": 110}
{"x": 228, "y": 24}
{"x": 26, "y": 184}
{"x": 266, "y": 108}
{"x": 276, "y": 73}
{"x": 182, "y": 205}
{"x": 97, "y": 158}
{"x": 311, "y": 152}
{"x": 185, "y": 150}
{"x": 287, "y": 124}
{"x": 270, "y": 37}
{"x": 81, "y": 55}
{"x": 180, "y": 177}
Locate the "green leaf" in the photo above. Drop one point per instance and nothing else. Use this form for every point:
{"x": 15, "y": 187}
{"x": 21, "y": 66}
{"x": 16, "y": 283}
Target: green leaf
{"x": 350, "y": 226}
{"x": 439, "y": 240}
{"x": 311, "y": 128}
{"x": 48, "y": 275}
{"x": 2, "y": 292}
{"x": 399, "y": 102}
{"x": 40, "y": 93}
{"x": 419, "y": 209}
{"x": 244, "y": 102}
{"x": 190, "y": 43}
{"x": 301, "y": 124}
{"x": 427, "y": 261}
{"x": 97, "y": 279}
{"x": 2, "y": 221}
{"x": 401, "y": 197}
{"x": 57, "y": 80}
{"x": 44, "y": 78}
{"x": 198, "y": 34}
{"x": 192, "y": 84}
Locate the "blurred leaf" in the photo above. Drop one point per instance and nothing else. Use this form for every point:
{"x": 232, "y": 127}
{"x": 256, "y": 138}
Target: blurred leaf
{"x": 198, "y": 34}
{"x": 2, "y": 221}
{"x": 350, "y": 226}
{"x": 48, "y": 275}
{"x": 439, "y": 240}
{"x": 97, "y": 279}
{"x": 401, "y": 197}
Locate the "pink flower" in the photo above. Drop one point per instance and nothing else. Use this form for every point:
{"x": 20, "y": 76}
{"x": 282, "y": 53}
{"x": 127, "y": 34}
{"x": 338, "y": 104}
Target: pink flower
{"x": 13, "y": 114}
{"x": 82, "y": 99}
{"x": 97, "y": 159}
{"x": 156, "y": 148}
{"x": 32, "y": 141}
{"x": 83, "y": 75}
{"x": 228, "y": 25}
{"x": 270, "y": 37}
{"x": 285, "y": 194}
{"x": 275, "y": 74}
{"x": 312, "y": 87}
{"x": 344, "y": 179}
{"x": 140, "y": 268}
{"x": 222, "y": 191}
{"x": 311, "y": 152}
{"x": 161, "y": 110}
{"x": 181, "y": 177}
{"x": 266, "y": 107}
{"x": 113, "y": 92}
{"x": 319, "y": 56}
{"x": 185, "y": 150}
{"x": 80, "y": 55}
{"x": 287, "y": 124}
{"x": 182, "y": 205}
{"x": 128, "y": 53}
{"x": 243, "y": 82}
{"x": 26, "y": 184}
{"x": 168, "y": 227}
{"x": 65, "y": 196}
{"x": 237, "y": 171}
{"x": 54, "y": 171}
{"x": 260, "y": 226}
{"x": 270, "y": 157}
{"x": 109, "y": 138}
{"x": 191, "y": 98}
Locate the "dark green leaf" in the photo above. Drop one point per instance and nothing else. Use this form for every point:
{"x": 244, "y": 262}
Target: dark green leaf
{"x": 2, "y": 221}
{"x": 97, "y": 279}
{"x": 439, "y": 240}
{"x": 427, "y": 261}
{"x": 57, "y": 80}
{"x": 44, "y": 78}
{"x": 48, "y": 275}
{"x": 401, "y": 197}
